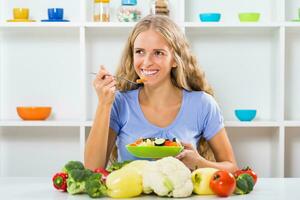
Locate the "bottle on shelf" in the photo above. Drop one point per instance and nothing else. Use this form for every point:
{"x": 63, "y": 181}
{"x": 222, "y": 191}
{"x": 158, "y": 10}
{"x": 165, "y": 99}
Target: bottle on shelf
{"x": 129, "y": 12}
{"x": 159, "y": 7}
{"x": 101, "y": 10}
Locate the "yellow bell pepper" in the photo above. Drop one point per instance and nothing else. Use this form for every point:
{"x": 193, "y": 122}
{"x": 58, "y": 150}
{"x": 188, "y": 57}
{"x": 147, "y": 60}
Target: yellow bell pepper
{"x": 201, "y": 178}
{"x": 124, "y": 183}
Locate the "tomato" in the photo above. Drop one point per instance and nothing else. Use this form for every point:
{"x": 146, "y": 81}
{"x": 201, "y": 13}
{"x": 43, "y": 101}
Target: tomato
{"x": 222, "y": 183}
{"x": 170, "y": 143}
{"x": 246, "y": 170}
{"x": 103, "y": 172}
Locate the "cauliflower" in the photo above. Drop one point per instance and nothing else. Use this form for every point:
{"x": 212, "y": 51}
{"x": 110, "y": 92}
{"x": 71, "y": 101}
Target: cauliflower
{"x": 167, "y": 177}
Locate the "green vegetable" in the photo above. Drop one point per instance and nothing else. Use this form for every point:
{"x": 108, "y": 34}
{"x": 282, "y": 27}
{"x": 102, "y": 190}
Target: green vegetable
{"x": 72, "y": 165}
{"x": 94, "y": 187}
{"x": 244, "y": 184}
{"x": 117, "y": 165}
{"x": 77, "y": 179}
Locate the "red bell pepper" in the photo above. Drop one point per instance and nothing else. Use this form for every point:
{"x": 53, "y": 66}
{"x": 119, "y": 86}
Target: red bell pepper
{"x": 60, "y": 181}
{"x": 104, "y": 173}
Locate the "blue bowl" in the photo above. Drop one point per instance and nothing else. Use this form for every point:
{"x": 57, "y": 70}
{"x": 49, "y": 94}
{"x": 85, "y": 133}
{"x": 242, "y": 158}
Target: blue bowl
{"x": 210, "y": 17}
{"x": 245, "y": 114}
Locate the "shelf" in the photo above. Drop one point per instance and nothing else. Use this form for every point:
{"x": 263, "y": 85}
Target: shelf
{"x": 62, "y": 123}
{"x": 252, "y": 124}
{"x": 109, "y": 24}
{"x": 292, "y": 123}
{"x": 40, "y": 25}
{"x": 189, "y": 25}
{"x": 292, "y": 24}
{"x": 230, "y": 25}
{"x": 47, "y": 123}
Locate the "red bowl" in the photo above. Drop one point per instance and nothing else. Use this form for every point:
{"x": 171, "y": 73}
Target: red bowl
{"x": 34, "y": 113}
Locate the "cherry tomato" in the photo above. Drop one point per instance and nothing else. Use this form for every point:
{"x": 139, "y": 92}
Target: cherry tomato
{"x": 246, "y": 170}
{"x": 222, "y": 183}
{"x": 170, "y": 143}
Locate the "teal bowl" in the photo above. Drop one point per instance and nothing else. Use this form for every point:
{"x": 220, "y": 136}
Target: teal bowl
{"x": 245, "y": 114}
{"x": 210, "y": 17}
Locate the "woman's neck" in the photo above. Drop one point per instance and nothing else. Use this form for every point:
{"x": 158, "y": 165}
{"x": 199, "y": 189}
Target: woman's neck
{"x": 160, "y": 96}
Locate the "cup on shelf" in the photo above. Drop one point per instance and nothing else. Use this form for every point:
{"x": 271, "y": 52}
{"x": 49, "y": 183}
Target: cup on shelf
{"x": 21, "y": 13}
{"x": 249, "y": 17}
{"x": 245, "y": 114}
{"x": 210, "y": 17}
{"x": 55, "y": 13}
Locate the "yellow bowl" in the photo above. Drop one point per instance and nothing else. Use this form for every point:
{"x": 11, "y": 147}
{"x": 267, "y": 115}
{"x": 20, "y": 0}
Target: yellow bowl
{"x": 34, "y": 113}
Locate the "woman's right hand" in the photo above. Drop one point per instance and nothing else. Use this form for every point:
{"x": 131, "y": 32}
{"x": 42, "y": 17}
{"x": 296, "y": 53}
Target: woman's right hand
{"x": 105, "y": 86}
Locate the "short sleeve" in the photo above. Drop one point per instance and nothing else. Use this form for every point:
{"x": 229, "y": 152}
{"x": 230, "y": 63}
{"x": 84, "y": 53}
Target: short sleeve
{"x": 213, "y": 120}
{"x": 115, "y": 122}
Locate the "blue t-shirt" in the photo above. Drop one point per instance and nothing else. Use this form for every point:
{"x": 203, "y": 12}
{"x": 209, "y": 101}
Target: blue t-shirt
{"x": 199, "y": 116}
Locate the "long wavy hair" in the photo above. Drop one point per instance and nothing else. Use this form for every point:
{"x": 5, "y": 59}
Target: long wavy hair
{"x": 186, "y": 75}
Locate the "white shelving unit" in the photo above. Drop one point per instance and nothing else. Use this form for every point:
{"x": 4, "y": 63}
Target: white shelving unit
{"x": 250, "y": 65}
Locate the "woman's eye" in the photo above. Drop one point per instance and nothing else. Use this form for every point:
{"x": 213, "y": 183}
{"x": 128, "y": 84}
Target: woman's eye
{"x": 158, "y": 53}
{"x": 138, "y": 51}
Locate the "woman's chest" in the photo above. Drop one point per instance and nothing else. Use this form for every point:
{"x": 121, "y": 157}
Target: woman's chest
{"x": 161, "y": 117}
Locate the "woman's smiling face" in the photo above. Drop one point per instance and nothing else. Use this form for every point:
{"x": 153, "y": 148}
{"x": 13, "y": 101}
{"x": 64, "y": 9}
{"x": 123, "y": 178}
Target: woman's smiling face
{"x": 153, "y": 58}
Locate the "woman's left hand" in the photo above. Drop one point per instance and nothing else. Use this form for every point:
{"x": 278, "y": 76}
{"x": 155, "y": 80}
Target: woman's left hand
{"x": 190, "y": 156}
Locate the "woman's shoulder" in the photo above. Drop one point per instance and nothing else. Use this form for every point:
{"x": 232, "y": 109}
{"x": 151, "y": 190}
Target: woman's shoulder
{"x": 199, "y": 96}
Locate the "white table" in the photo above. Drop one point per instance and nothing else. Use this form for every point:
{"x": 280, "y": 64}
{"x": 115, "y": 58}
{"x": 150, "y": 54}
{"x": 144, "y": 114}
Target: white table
{"x": 41, "y": 189}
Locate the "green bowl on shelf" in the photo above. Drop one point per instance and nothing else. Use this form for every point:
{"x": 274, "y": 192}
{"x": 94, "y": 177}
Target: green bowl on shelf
{"x": 249, "y": 17}
{"x": 154, "y": 151}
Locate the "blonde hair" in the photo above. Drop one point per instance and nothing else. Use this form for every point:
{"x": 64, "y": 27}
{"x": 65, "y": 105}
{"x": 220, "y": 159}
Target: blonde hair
{"x": 186, "y": 75}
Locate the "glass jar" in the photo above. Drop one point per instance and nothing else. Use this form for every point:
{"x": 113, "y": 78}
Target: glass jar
{"x": 159, "y": 7}
{"x": 129, "y": 12}
{"x": 101, "y": 10}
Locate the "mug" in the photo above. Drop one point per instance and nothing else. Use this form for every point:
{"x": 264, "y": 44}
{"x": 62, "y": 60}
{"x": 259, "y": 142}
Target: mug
{"x": 21, "y": 13}
{"x": 55, "y": 13}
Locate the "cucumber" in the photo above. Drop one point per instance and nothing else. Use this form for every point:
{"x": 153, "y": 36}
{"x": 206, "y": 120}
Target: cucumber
{"x": 159, "y": 142}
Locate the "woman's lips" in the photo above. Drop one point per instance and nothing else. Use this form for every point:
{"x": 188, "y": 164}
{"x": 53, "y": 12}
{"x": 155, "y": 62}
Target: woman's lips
{"x": 149, "y": 72}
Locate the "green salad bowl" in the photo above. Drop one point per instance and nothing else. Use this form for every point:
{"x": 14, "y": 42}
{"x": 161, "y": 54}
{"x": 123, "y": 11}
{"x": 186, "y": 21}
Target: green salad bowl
{"x": 153, "y": 151}
{"x": 249, "y": 17}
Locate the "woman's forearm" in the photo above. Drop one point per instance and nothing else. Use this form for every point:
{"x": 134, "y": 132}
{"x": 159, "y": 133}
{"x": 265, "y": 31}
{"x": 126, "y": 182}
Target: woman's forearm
{"x": 96, "y": 145}
{"x": 223, "y": 165}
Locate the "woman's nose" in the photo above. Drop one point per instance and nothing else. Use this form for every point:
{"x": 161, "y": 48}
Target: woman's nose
{"x": 148, "y": 60}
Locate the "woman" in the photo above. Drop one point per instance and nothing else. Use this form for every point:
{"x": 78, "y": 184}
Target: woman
{"x": 175, "y": 100}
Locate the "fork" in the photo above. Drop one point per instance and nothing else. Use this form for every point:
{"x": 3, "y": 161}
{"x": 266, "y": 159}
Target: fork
{"x": 119, "y": 78}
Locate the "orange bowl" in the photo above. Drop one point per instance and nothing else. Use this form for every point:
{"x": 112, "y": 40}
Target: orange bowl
{"x": 34, "y": 113}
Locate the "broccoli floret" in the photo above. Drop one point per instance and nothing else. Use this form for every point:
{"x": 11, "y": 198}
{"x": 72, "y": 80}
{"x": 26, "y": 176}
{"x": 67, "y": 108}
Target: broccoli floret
{"x": 72, "y": 165}
{"x": 117, "y": 165}
{"x": 94, "y": 186}
{"x": 76, "y": 180}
